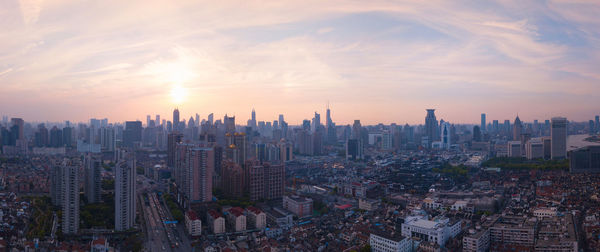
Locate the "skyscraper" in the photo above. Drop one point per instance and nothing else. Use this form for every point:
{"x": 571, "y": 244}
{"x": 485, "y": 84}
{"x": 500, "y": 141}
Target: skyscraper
{"x": 517, "y": 129}
{"x": 93, "y": 179}
{"x": 229, "y": 122}
{"x": 356, "y": 129}
{"x": 200, "y": 164}
{"x": 445, "y": 135}
{"x": 210, "y": 119}
{"x": 124, "y": 190}
{"x": 316, "y": 122}
{"x": 483, "y": 125}
{"x": 67, "y": 136}
{"x": 56, "y": 180}
{"x": 176, "y": 119}
{"x": 157, "y": 120}
{"x": 558, "y": 134}
{"x": 132, "y": 133}
{"x": 19, "y": 123}
{"x": 56, "y": 137}
{"x": 253, "y": 118}
{"x": 495, "y": 126}
{"x": 173, "y": 139}
{"x": 70, "y": 197}
{"x": 476, "y": 134}
{"x": 107, "y": 139}
{"x": 41, "y": 136}
{"x": 431, "y": 127}
{"x": 597, "y": 124}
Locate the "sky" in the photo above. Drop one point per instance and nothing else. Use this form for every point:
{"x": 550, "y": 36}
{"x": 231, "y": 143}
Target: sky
{"x": 377, "y": 61}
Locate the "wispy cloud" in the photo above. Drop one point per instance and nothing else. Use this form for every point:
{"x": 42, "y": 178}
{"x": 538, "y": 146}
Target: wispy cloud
{"x": 292, "y": 56}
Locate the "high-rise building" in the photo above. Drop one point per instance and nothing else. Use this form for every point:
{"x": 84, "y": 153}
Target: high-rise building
{"x": 132, "y": 133}
{"x": 558, "y": 133}
{"x": 506, "y": 127}
{"x": 210, "y": 119}
{"x": 476, "y": 134}
{"x": 56, "y": 137}
{"x": 265, "y": 181}
{"x": 306, "y": 125}
{"x": 176, "y": 119}
{"x": 253, "y": 120}
{"x": 124, "y": 190}
{"x": 483, "y": 124}
{"x": 70, "y": 197}
{"x": 41, "y": 136}
{"x": 199, "y": 164}
{"x": 431, "y": 127}
{"x": 597, "y": 124}
{"x": 354, "y": 149}
{"x": 285, "y": 151}
{"x": 68, "y": 136}
{"x": 19, "y": 123}
{"x": 514, "y": 149}
{"x": 304, "y": 141}
{"x": 157, "y": 121}
{"x": 316, "y": 122}
{"x": 356, "y": 129}
{"x": 586, "y": 159}
{"x": 173, "y": 139}
{"x": 237, "y": 147}
{"x": 495, "y": 126}
{"x": 517, "y": 129}
{"x": 229, "y": 122}
{"x": 534, "y": 149}
{"x": 233, "y": 179}
{"x": 56, "y": 179}
{"x": 107, "y": 139}
{"x": 445, "y": 135}
{"x": 93, "y": 179}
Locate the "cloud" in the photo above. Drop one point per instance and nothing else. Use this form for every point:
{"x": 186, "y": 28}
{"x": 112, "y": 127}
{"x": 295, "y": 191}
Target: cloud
{"x": 30, "y": 9}
{"x": 297, "y": 54}
{"x": 6, "y": 71}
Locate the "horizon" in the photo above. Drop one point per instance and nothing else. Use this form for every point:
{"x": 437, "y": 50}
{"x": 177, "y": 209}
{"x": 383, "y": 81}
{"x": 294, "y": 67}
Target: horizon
{"x": 323, "y": 117}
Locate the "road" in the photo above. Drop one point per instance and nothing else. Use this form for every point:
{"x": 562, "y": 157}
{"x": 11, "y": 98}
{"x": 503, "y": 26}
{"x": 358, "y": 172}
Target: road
{"x": 160, "y": 236}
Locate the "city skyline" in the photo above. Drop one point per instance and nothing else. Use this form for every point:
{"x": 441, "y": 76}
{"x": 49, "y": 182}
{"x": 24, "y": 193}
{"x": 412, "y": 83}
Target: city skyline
{"x": 382, "y": 62}
{"x": 241, "y": 121}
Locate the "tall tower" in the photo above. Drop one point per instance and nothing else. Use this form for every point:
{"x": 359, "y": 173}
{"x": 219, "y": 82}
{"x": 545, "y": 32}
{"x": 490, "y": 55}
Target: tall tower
{"x": 70, "y": 197}
{"x": 328, "y": 121}
{"x": 431, "y": 126}
{"x": 445, "y": 135}
{"x": 93, "y": 179}
{"x": 316, "y": 122}
{"x": 330, "y": 127}
{"x": 558, "y": 134}
{"x": 597, "y": 120}
{"x": 124, "y": 190}
{"x": 517, "y": 129}
{"x": 483, "y": 125}
{"x": 176, "y": 119}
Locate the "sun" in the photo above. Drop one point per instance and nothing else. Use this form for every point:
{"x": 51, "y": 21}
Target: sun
{"x": 178, "y": 94}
